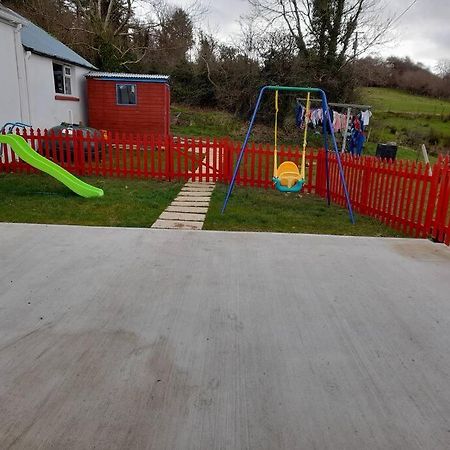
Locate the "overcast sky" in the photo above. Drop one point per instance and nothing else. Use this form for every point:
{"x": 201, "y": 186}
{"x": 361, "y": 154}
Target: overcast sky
{"x": 423, "y": 33}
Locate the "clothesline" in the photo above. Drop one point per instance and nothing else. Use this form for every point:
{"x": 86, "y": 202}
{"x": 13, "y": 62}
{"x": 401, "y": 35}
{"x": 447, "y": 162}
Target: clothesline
{"x": 337, "y": 105}
{"x": 340, "y": 121}
{"x": 351, "y": 125}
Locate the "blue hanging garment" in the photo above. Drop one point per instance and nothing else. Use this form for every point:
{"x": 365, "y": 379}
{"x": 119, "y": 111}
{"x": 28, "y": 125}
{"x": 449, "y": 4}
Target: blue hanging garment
{"x": 327, "y": 124}
{"x": 360, "y": 139}
{"x": 356, "y": 143}
{"x": 299, "y": 115}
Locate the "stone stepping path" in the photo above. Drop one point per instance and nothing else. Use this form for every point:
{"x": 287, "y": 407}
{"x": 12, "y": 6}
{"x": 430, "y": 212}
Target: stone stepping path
{"x": 188, "y": 210}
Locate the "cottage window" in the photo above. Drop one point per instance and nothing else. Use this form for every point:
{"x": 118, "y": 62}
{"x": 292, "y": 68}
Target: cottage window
{"x": 62, "y": 76}
{"x": 126, "y": 94}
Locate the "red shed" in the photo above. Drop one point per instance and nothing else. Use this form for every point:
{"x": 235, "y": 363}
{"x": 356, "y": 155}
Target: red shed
{"x": 129, "y": 102}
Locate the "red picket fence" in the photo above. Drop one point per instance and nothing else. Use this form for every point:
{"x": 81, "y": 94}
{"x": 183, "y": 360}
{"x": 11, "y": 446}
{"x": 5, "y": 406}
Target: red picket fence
{"x": 410, "y": 197}
{"x": 404, "y": 195}
{"x": 149, "y": 156}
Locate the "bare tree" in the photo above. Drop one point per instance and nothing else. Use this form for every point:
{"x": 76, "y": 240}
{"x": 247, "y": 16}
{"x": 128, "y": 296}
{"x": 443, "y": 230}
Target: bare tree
{"x": 107, "y": 28}
{"x": 107, "y": 16}
{"x": 443, "y": 68}
{"x": 335, "y": 31}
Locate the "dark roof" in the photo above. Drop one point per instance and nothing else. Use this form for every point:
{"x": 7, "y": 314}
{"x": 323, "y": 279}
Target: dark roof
{"x": 40, "y": 42}
{"x": 117, "y": 76}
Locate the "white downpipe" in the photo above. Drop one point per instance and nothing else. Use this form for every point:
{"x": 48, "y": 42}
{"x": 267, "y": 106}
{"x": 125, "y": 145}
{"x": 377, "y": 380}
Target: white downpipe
{"x": 26, "y": 60}
{"x": 21, "y": 77}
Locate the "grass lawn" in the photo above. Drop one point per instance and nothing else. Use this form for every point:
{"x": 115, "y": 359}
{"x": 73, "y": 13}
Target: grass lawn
{"x": 252, "y": 209}
{"x": 41, "y": 199}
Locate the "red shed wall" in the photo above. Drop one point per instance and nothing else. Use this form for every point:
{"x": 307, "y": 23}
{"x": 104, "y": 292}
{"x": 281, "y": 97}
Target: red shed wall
{"x": 151, "y": 113}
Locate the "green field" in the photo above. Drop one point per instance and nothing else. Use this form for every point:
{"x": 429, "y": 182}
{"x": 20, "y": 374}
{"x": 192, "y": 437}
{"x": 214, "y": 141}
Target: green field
{"x": 409, "y": 120}
{"x": 385, "y": 99}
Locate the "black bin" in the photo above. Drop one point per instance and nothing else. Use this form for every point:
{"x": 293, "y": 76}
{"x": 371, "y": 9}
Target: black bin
{"x": 387, "y": 151}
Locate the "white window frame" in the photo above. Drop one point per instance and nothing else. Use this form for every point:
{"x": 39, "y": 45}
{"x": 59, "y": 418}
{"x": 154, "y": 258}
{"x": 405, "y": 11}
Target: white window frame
{"x": 135, "y": 94}
{"x": 64, "y": 76}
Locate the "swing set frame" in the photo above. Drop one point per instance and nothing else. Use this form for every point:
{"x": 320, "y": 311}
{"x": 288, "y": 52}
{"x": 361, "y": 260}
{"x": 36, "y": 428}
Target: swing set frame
{"x": 326, "y": 120}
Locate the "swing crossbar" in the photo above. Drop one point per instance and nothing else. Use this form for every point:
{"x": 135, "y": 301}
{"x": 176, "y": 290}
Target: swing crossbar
{"x": 327, "y": 120}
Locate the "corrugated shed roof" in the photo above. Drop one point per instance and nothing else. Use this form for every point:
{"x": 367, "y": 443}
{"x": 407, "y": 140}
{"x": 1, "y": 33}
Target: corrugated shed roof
{"x": 129, "y": 76}
{"x": 40, "y": 42}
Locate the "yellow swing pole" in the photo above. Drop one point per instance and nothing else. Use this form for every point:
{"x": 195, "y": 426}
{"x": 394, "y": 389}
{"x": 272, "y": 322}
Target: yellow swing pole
{"x": 275, "y": 150}
{"x": 305, "y": 136}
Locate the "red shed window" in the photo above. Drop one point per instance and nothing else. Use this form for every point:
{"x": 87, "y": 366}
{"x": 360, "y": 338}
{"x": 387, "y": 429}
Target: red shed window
{"x": 126, "y": 94}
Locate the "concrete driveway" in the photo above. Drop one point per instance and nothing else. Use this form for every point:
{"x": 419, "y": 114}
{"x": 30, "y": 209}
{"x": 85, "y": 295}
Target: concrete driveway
{"x": 156, "y": 339}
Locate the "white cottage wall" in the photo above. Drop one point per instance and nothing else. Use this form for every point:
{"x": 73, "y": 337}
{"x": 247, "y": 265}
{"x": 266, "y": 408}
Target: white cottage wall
{"x": 47, "y": 107}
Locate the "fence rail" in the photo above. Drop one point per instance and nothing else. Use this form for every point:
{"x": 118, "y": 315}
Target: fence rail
{"x": 404, "y": 195}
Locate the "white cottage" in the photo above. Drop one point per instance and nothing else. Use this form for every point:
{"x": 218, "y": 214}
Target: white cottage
{"x": 42, "y": 81}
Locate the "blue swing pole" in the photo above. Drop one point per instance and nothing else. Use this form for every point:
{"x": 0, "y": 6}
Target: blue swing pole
{"x": 333, "y": 138}
{"x": 244, "y": 145}
{"x": 325, "y": 144}
{"x": 338, "y": 157}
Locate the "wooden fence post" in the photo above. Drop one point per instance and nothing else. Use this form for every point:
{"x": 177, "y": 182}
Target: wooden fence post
{"x": 432, "y": 196}
{"x": 227, "y": 158}
{"x": 366, "y": 185}
{"x": 169, "y": 155}
{"x": 315, "y": 185}
{"x": 442, "y": 207}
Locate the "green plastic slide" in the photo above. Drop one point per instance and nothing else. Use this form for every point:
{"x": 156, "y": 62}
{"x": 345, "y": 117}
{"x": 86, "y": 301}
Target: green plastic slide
{"x": 27, "y": 154}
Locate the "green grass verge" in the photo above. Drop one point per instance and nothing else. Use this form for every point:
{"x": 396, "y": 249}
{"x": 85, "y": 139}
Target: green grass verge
{"x": 39, "y": 198}
{"x": 252, "y": 209}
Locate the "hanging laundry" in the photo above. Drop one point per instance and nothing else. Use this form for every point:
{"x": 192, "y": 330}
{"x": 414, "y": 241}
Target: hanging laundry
{"x": 314, "y": 119}
{"x": 340, "y": 121}
{"x": 365, "y": 118}
{"x": 356, "y": 143}
{"x": 360, "y": 139}
{"x": 299, "y": 115}
{"x": 343, "y": 122}
{"x": 337, "y": 122}
{"x": 327, "y": 123}
{"x": 320, "y": 114}
{"x": 356, "y": 124}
